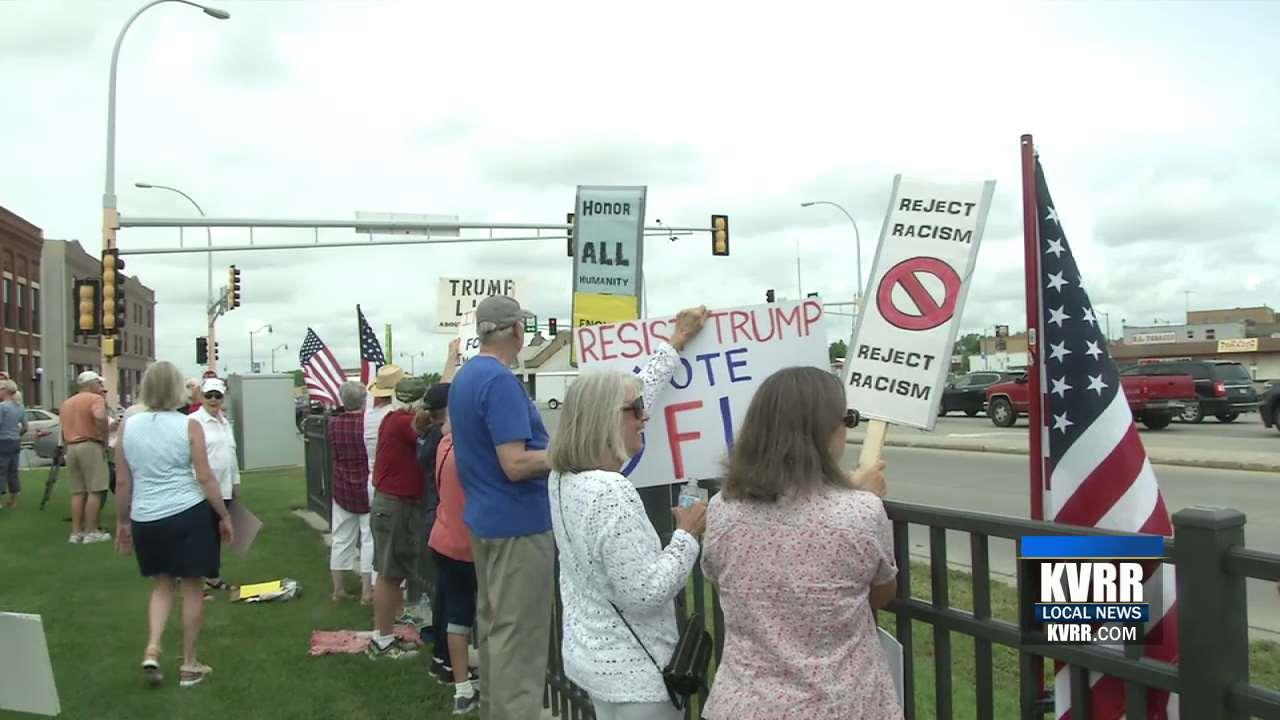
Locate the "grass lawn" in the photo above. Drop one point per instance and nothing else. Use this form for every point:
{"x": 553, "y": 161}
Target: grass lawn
{"x": 94, "y": 607}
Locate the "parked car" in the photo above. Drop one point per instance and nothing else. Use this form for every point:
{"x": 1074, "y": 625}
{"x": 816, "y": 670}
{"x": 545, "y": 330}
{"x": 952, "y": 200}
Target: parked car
{"x": 968, "y": 393}
{"x": 38, "y": 420}
{"x": 1224, "y": 388}
{"x": 1269, "y": 408}
{"x": 1153, "y": 400}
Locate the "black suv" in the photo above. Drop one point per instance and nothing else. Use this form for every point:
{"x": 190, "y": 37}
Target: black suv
{"x": 1224, "y": 388}
{"x": 969, "y": 392}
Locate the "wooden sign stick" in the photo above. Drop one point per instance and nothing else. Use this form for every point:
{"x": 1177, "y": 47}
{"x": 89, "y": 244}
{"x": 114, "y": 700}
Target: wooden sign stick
{"x": 873, "y": 443}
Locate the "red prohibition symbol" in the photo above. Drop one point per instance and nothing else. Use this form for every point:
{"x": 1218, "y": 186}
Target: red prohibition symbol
{"x": 926, "y": 313}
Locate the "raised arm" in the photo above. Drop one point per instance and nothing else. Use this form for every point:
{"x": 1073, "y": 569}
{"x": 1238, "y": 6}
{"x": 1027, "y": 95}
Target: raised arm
{"x": 662, "y": 363}
{"x": 451, "y": 361}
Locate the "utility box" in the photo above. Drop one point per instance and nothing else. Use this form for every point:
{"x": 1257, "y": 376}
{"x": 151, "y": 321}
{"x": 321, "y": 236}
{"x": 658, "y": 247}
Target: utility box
{"x": 262, "y": 417}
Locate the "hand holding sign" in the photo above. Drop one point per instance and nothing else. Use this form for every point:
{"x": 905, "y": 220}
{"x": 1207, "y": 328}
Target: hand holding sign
{"x": 688, "y": 324}
{"x": 870, "y": 478}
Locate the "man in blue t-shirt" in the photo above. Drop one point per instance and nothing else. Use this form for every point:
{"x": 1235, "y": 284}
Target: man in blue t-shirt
{"x": 500, "y": 444}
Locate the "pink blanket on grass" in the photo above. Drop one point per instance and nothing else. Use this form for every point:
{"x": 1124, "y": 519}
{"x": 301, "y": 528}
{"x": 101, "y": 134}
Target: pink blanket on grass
{"x": 353, "y": 642}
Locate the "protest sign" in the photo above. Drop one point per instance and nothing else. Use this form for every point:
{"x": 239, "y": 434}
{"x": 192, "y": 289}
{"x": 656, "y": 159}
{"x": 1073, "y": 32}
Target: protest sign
{"x": 457, "y": 296}
{"x": 695, "y": 418}
{"x": 26, "y": 675}
{"x": 594, "y": 309}
{"x": 899, "y": 359}
{"x": 468, "y": 342}
{"x": 609, "y": 240}
{"x": 246, "y": 526}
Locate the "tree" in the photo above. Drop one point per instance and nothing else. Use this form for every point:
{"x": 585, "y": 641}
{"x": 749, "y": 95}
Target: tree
{"x": 430, "y": 378}
{"x": 837, "y": 351}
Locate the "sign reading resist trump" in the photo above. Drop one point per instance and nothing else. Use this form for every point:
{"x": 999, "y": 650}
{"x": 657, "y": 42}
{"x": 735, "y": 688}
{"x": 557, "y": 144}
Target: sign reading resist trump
{"x": 697, "y": 415}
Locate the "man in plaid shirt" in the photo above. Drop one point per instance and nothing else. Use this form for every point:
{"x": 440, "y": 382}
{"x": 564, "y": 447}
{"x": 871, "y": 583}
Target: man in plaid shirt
{"x": 350, "y": 494}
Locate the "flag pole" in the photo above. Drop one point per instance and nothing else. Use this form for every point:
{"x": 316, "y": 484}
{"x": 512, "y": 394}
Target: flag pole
{"x": 1031, "y": 261}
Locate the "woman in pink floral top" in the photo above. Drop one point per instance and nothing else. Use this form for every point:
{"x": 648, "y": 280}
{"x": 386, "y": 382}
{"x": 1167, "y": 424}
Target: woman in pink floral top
{"x": 802, "y": 555}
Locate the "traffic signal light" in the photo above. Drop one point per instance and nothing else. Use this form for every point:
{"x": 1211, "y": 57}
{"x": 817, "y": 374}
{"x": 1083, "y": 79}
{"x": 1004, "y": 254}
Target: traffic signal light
{"x": 551, "y": 326}
{"x": 112, "y": 308}
{"x": 202, "y": 350}
{"x": 87, "y": 312}
{"x": 233, "y": 287}
{"x": 216, "y": 352}
{"x": 569, "y": 219}
{"x": 720, "y": 236}
{"x": 768, "y": 296}
{"x": 111, "y": 346}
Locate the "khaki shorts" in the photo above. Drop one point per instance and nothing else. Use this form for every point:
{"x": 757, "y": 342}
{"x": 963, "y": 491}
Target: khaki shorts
{"x": 397, "y": 537}
{"x": 87, "y": 467}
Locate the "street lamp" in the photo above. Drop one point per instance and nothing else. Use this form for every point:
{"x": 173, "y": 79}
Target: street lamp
{"x": 110, "y": 217}
{"x": 856, "y": 235}
{"x": 273, "y": 356}
{"x": 267, "y": 327}
{"x": 412, "y": 360}
{"x": 209, "y": 234}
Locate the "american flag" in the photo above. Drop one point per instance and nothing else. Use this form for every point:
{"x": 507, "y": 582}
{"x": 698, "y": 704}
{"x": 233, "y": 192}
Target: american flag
{"x": 1097, "y": 469}
{"x": 371, "y": 357}
{"x": 321, "y": 372}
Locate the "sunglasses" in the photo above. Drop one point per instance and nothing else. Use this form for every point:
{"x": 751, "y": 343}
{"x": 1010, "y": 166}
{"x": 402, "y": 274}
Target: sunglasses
{"x": 636, "y": 407}
{"x": 852, "y": 418}
{"x": 213, "y": 395}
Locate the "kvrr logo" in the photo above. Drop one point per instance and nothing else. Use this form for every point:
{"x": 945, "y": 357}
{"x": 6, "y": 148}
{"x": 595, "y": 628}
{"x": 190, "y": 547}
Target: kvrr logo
{"x": 1090, "y": 582}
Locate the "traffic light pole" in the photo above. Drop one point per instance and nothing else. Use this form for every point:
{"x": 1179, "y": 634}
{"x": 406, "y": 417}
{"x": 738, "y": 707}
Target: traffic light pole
{"x": 110, "y": 366}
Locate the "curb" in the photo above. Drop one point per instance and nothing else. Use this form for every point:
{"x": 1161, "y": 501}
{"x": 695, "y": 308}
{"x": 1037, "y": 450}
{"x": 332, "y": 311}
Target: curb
{"x": 1156, "y": 458}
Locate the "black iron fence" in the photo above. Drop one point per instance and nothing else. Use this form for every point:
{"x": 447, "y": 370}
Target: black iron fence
{"x": 1208, "y": 550}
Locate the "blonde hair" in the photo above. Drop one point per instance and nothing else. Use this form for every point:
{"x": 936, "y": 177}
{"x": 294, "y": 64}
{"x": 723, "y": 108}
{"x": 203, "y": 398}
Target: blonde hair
{"x": 590, "y": 435}
{"x": 162, "y": 387}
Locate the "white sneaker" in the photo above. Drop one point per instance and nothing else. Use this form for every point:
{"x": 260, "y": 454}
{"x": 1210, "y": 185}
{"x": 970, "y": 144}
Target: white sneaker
{"x": 96, "y": 537}
{"x": 75, "y": 538}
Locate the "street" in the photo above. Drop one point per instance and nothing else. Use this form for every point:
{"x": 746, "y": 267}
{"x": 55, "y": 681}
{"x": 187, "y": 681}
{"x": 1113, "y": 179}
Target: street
{"x": 997, "y": 483}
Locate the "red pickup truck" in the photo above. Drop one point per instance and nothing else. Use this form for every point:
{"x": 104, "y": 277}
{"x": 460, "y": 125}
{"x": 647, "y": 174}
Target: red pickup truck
{"x": 1154, "y": 399}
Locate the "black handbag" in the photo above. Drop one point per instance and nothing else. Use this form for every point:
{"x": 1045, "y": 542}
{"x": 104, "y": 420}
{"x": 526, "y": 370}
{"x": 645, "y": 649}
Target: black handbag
{"x": 686, "y": 672}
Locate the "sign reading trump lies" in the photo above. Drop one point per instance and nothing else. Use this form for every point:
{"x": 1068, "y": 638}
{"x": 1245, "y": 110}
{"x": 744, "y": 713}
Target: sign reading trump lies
{"x": 695, "y": 418}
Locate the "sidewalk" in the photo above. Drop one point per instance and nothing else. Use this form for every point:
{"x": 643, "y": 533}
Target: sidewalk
{"x": 1014, "y": 442}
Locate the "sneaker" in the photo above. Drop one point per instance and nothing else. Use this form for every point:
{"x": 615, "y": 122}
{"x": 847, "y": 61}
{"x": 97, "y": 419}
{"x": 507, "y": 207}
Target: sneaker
{"x": 96, "y": 537}
{"x": 443, "y": 673}
{"x": 151, "y": 672}
{"x": 397, "y": 650}
{"x": 75, "y": 538}
{"x": 466, "y": 704}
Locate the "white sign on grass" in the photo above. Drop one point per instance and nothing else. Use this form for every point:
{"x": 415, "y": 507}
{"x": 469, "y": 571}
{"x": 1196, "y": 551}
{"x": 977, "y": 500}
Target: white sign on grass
{"x": 468, "y": 342}
{"x": 458, "y": 296}
{"x": 695, "y": 418}
{"x": 26, "y": 676}
{"x": 902, "y": 349}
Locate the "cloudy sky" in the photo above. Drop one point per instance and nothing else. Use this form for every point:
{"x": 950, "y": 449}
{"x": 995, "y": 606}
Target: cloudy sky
{"x": 1155, "y": 123}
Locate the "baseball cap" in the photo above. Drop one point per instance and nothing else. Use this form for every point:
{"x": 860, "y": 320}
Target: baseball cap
{"x": 213, "y": 383}
{"x": 500, "y": 310}
{"x": 87, "y": 377}
{"x": 437, "y": 397}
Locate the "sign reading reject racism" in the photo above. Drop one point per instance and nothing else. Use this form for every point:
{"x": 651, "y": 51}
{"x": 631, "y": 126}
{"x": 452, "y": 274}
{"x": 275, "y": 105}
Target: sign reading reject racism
{"x": 902, "y": 349}
{"x": 695, "y": 418}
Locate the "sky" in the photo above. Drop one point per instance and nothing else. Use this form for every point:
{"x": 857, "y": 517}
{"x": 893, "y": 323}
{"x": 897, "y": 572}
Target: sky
{"x": 1155, "y": 124}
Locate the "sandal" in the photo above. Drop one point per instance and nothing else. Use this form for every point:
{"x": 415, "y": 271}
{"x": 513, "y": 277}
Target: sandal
{"x": 151, "y": 668}
{"x": 190, "y": 675}
{"x": 218, "y": 584}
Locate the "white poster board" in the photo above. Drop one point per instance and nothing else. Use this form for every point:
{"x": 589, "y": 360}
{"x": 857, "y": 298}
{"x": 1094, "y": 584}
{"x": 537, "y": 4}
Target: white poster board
{"x": 608, "y": 240}
{"x": 697, "y": 415}
{"x": 898, "y": 364}
{"x": 26, "y": 675}
{"x": 892, "y": 650}
{"x": 468, "y": 343}
{"x": 457, "y": 296}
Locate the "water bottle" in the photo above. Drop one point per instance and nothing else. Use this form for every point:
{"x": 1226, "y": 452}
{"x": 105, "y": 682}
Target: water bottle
{"x": 692, "y": 494}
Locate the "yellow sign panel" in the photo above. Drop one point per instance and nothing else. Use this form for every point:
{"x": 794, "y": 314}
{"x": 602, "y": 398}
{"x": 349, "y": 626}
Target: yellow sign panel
{"x": 1238, "y": 345}
{"x": 596, "y": 309}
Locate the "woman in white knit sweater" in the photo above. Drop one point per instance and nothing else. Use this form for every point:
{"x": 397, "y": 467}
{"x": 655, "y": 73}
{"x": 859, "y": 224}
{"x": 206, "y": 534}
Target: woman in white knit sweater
{"x": 612, "y": 564}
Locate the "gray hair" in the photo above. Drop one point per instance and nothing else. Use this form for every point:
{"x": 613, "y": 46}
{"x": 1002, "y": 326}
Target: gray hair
{"x": 162, "y": 387}
{"x": 590, "y": 435}
{"x": 490, "y": 333}
{"x": 353, "y": 394}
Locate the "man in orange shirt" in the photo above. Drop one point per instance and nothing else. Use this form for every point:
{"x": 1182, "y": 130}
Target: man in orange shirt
{"x": 84, "y": 433}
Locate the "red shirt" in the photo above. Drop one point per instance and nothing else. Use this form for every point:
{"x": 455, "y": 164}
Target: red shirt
{"x": 395, "y": 466}
{"x": 449, "y": 536}
{"x": 350, "y": 464}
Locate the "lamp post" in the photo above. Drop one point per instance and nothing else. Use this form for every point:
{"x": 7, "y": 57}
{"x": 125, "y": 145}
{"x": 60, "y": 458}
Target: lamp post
{"x": 413, "y": 360}
{"x": 110, "y": 215}
{"x": 209, "y": 291}
{"x": 266, "y": 327}
{"x": 857, "y": 236}
{"x": 273, "y": 356}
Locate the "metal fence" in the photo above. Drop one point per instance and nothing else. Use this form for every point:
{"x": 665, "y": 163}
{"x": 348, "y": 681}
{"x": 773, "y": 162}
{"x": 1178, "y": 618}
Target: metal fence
{"x": 1209, "y": 552}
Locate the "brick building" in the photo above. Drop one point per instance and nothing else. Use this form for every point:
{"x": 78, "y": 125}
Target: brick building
{"x": 20, "y": 304}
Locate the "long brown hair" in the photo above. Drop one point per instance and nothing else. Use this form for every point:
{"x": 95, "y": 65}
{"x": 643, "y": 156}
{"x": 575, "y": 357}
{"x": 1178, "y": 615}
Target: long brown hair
{"x": 784, "y": 445}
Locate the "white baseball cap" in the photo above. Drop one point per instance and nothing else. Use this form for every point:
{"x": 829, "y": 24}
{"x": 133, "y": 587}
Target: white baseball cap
{"x": 213, "y": 383}
{"x": 87, "y": 377}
